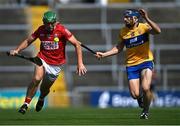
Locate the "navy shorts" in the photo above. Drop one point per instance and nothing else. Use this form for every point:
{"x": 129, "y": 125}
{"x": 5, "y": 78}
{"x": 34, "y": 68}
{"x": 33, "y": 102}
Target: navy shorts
{"x": 134, "y": 72}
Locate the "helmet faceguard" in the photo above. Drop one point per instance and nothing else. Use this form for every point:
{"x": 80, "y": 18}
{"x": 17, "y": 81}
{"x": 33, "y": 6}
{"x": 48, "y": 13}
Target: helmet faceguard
{"x": 131, "y": 17}
{"x": 49, "y": 17}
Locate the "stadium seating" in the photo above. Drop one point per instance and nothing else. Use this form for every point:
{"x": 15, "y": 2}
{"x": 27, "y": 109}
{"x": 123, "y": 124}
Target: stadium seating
{"x": 12, "y": 37}
{"x": 79, "y": 15}
{"x": 160, "y": 14}
{"x": 15, "y": 79}
{"x": 14, "y": 28}
{"x": 13, "y": 15}
{"x": 91, "y": 37}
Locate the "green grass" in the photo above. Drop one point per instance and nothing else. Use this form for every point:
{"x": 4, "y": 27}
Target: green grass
{"x": 91, "y": 116}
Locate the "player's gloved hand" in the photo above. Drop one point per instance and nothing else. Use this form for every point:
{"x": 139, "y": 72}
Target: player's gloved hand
{"x": 13, "y": 52}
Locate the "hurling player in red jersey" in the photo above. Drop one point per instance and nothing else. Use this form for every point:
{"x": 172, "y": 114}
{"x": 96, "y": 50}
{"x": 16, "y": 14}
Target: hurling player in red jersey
{"x": 53, "y": 37}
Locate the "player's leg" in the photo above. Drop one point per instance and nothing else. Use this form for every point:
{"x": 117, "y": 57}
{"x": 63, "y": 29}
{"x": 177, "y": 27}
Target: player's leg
{"x": 45, "y": 87}
{"x": 153, "y": 86}
{"x": 32, "y": 88}
{"x": 140, "y": 98}
{"x": 146, "y": 77}
{"x": 134, "y": 88}
{"x": 44, "y": 91}
{"x": 51, "y": 75}
{"x": 133, "y": 73}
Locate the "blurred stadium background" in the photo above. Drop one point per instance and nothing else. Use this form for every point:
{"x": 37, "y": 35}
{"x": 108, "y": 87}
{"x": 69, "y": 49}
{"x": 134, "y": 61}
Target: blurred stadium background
{"x": 95, "y": 23}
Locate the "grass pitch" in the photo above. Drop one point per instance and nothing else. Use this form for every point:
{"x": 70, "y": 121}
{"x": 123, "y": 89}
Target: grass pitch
{"x": 90, "y": 116}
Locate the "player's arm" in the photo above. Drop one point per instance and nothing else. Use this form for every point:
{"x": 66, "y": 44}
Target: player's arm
{"x": 23, "y": 45}
{"x": 81, "y": 69}
{"x": 117, "y": 49}
{"x": 155, "y": 29}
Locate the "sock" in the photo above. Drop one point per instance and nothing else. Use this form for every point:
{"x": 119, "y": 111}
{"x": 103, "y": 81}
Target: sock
{"x": 146, "y": 110}
{"x": 41, "y": 98}
{"x": 27, "y": 100}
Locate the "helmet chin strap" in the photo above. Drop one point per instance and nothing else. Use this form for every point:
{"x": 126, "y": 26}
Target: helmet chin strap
{"x": 128, "y": 25}
{"x": 49, "y": 28}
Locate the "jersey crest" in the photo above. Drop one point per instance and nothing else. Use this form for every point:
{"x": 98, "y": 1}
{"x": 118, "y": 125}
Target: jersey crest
{"x": 137, "y": 44}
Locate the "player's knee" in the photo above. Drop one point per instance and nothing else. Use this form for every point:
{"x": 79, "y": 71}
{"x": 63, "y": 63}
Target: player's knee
{"x": 44, "y": 90}
{"x": 37, "y": 78}
{"x": 45, "y": 87}
{"x": 146, "y": 88}
{"x": 135, "y": 95}
{"x": 36, "y": 81}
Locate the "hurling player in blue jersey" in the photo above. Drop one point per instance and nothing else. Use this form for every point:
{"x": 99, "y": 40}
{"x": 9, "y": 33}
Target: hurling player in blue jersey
{"x": 139, "y": 58}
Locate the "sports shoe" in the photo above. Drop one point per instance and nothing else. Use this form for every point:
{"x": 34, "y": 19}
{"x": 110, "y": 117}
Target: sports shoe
{"x": 144, "y": 115}
{"x": 39, "y": 105}
{"x": 140, "y": 102}
{"x": 23, "y": 109}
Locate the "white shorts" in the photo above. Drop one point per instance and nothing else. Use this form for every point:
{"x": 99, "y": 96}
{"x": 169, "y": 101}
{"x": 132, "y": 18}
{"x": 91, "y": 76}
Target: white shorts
{"x": 52, "y": 71}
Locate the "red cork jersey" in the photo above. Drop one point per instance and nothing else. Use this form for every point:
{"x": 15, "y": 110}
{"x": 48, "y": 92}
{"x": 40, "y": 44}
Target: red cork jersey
{"x": 52, "y": 47}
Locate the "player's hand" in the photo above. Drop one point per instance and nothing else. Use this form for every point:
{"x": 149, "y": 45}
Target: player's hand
{"x": 13, "y": 52}
{"x": 99, "y": 55}
{"x": 81, "y": 69}
{"x": 143, "y": 13}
